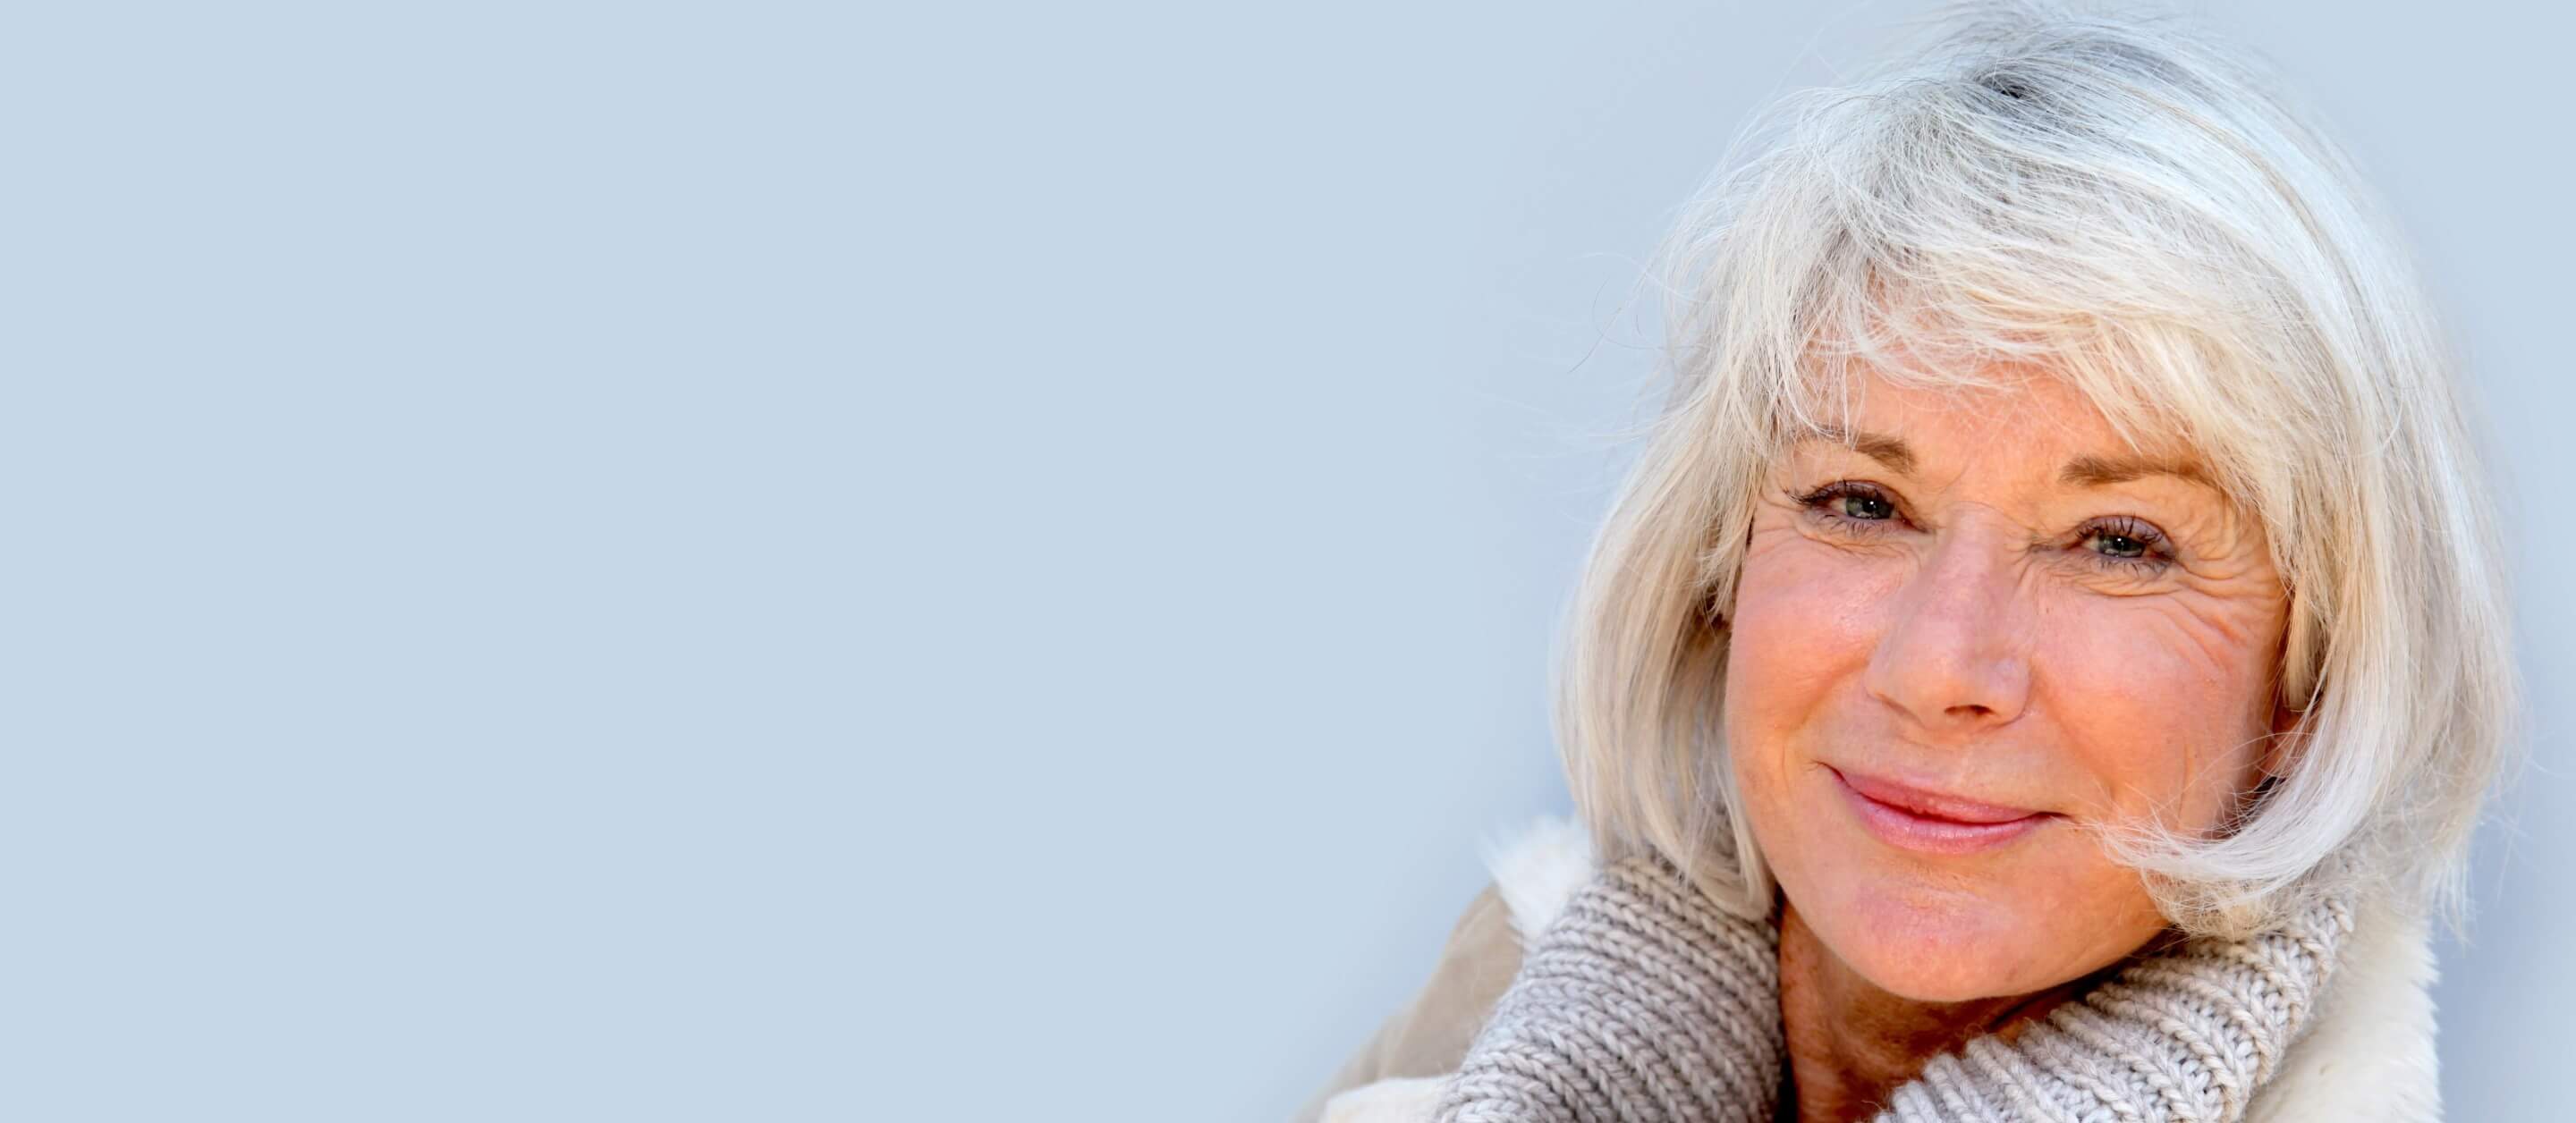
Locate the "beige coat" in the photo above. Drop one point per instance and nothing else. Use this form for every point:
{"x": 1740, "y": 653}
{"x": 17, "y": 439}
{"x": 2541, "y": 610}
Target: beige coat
{"x": 2369, "y": 1058}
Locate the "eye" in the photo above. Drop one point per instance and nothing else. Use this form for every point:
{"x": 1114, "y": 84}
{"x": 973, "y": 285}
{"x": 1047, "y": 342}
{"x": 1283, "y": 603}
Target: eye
{"x": 2127, "y": 543}
{"x": 1849, "y": 503}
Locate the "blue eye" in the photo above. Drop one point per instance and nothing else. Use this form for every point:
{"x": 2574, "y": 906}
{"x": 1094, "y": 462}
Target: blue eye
{"x": 1867, "y": 507}
{"x": 1849, "y": 502}
{"x": 2123, "y": 546}
{"x": 2129, "y": 543}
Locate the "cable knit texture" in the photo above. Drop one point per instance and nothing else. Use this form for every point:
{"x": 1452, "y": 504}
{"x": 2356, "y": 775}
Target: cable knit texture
{"x": 1644, "y": 1001}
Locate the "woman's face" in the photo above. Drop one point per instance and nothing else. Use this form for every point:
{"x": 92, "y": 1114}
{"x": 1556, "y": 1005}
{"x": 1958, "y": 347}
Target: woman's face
{"x": 1988, "y": 625}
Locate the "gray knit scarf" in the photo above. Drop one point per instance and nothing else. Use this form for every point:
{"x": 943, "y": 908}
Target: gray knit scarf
{"x": 1644, "y": 1001}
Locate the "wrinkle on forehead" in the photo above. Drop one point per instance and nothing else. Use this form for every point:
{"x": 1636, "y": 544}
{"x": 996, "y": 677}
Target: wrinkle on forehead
{"x": 2001, "y": 398}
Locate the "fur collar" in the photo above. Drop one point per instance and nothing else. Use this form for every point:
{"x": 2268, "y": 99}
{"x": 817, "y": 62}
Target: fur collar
{"x": 2370, "y": 1057}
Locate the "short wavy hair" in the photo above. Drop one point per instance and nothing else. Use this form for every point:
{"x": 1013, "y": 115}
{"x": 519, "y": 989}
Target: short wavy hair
{"x": 2138, "y": 207}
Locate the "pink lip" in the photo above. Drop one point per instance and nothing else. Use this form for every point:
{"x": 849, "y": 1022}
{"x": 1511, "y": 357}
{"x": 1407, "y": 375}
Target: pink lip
{"x": 1914, "y": 819}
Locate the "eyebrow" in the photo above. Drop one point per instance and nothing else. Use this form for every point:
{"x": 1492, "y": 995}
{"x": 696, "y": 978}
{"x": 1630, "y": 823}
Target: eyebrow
{"x": 2083, "y": 471}
{"x": 1886, "y": 450}
{"x": 2094, "y": 471}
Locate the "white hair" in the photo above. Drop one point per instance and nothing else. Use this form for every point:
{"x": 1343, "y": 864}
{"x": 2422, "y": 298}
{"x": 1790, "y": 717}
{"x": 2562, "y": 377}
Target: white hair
{"x": 2137, "y": 207}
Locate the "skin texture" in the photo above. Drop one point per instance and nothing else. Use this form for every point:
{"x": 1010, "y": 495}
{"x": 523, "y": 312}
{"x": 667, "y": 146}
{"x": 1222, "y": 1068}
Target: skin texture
{"x": 1963, "y": 624}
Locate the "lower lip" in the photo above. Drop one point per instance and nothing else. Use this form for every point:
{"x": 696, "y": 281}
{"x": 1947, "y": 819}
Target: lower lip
{"x": 1906, "y": 830}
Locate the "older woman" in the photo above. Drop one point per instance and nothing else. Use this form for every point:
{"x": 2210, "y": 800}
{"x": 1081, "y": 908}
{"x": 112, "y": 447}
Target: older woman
{"x": 2047, "y": 663}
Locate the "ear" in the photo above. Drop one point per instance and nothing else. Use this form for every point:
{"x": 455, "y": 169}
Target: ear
{"x": 2281, "y": 749}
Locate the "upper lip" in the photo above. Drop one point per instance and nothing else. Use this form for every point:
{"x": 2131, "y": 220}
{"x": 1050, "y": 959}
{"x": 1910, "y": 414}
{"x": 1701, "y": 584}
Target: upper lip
{"x": 1932, "y": 804}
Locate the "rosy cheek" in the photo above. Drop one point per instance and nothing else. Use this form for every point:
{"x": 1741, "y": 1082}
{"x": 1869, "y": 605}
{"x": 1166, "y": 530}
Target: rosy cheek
{"x": 1800, "y": 599}
{"x": 2156, "y": 725}
{"x": 1804, "y": 625}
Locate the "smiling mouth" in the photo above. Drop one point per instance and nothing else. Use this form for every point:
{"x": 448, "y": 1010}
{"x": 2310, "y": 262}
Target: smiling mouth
{"x": 1931, "y": 822}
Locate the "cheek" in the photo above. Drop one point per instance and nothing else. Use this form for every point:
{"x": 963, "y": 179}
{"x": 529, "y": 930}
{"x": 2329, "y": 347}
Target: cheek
{"x": 1804, "y": 614}
{"x": 2165, "y": 717}
{"x": 1803, "y": 626}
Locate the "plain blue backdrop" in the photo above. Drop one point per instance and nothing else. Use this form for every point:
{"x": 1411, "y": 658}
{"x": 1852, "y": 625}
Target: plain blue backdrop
{"x": 809, "y": 562}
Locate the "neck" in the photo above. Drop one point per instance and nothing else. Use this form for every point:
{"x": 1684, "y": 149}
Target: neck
{"x": 1851, "y": 1043}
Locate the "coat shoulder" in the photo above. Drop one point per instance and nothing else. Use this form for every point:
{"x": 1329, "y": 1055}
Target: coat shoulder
{"x": 1538, "y": 869}
{"x": 2371, "y": 1055}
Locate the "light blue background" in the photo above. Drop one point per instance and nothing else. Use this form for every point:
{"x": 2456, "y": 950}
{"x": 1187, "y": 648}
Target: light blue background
{"x": 802, "y": 562}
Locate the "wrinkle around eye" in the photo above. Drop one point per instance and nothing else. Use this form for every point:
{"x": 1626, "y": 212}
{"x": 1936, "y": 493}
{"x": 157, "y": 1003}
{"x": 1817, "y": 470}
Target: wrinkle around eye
{"x": 2116, "y": 580}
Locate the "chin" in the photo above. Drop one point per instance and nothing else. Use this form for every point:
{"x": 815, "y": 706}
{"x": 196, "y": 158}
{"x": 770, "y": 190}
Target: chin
{"x": 1933, "y": 944}
{"x": 1934, "y": 974}
{"x": 1929, "y": 974}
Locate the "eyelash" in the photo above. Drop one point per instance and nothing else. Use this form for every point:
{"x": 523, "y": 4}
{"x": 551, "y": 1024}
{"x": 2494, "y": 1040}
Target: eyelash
{"x": 2157, "y": 556}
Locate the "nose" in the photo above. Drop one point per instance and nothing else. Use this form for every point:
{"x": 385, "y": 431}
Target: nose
{"x": 1955, "y": 658}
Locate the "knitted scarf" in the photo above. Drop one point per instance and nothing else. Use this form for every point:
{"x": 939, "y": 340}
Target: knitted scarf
{"x": 1644, "y": 1001}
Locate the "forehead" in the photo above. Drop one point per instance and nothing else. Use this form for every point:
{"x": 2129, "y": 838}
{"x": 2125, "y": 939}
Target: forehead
{"x": 2013, "y": 417}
